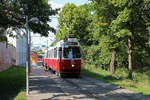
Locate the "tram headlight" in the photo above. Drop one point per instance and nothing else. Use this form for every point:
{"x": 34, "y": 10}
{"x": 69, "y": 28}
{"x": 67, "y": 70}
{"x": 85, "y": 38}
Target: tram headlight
{"x": 73, "y": 65}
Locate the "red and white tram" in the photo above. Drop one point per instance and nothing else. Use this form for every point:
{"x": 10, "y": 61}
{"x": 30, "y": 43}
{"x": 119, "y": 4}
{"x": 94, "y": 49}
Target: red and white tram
{"x": 64, "y": 58}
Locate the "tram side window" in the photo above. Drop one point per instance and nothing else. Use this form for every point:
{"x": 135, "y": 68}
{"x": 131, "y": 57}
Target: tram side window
{"x": 44, "y": 55}
{"x": 60, "y": 52}
{"x": 55, "y": 53}
{"x": 65, "y": 52}
{"x": 47, "y": 55}
{"x": 50, "y": 54}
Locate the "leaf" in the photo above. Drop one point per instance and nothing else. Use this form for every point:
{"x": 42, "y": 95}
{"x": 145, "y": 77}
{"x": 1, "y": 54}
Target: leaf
{"x": 123, "y": 33}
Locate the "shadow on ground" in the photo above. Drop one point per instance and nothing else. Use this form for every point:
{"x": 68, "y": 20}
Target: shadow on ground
{"x": 79, "y": 89}
{"x": 9, "y": 88}
{"x": 12, "y": 81}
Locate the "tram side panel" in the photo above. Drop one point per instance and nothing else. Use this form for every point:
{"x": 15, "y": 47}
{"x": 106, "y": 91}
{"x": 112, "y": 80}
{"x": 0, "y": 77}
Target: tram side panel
{"x": 53, "y": 61}
{"x": 53, "y": 64}
{"x": 50, "y": 63}
{"x": 58, "y": 65}
{"x": 44, "y": 62}
{"x": 64, "y": 66}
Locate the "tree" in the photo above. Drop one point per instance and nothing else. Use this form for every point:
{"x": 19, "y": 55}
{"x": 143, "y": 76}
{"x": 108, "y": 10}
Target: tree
{"x": 126, "y": 24}
{"x": 117, "y": 29}
{"x": 104, "y": 13}
{"x": 12, "y": 14}
{"x": 73, "y": 21}
{"x": 2, "y": 37}
{"x": 65, "y": 20}
{"x": 130, "y": 25}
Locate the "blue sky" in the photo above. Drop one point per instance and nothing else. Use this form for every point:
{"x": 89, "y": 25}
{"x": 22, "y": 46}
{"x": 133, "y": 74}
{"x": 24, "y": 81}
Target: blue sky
{"x": 36, "y": 41}
{"x": 60, "y": 4}
{"x": 77, "y": 2}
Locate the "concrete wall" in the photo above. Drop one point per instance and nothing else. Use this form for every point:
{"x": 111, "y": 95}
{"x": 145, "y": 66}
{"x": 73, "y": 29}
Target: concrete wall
{"x": 7, "y": 56}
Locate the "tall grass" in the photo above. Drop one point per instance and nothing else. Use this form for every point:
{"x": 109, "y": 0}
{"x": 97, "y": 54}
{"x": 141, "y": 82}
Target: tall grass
{"x": 12, "y": 83}
{"x": 140, "y": 82}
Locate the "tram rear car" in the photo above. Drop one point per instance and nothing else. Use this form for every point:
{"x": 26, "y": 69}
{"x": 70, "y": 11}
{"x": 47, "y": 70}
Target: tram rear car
{"x": 64, "y": 58}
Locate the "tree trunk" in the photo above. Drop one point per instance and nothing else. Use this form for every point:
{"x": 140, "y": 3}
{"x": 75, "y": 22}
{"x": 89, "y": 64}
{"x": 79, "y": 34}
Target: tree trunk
{"x": 130, "y": 58}
{"x": 112, "y": 63}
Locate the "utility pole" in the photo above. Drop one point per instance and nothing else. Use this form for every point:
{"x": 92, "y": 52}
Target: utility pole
{"x": 47, "y": 44}
{"x": 28, "y": 36}
{"x": 29, "y": 46}
{"x": 27, "y": 58}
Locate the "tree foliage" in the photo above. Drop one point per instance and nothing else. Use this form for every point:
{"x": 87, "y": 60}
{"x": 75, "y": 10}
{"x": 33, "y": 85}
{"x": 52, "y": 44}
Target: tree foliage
{"x": 13, "y": 12}
{"x": 115, "y": 32}
{"x": 73, "y": 22}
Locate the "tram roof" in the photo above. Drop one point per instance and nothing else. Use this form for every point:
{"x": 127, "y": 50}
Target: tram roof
{"x": 63, "y": 43}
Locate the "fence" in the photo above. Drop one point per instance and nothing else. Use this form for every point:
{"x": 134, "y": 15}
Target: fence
{"x": 7, "y": 56}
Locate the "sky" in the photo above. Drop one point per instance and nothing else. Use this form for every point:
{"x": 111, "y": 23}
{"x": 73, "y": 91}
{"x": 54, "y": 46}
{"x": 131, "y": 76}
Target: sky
{"x": 36, "y": 39}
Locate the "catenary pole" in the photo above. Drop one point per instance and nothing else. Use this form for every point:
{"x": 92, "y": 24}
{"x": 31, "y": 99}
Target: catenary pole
{"x": 29, "y": 46}
{"x": 28, "y": 37}
{"x": 27, "y": 57}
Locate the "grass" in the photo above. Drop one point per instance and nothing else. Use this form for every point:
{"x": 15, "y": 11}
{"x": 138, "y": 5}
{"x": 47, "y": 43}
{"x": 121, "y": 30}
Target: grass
{"x": 12, "y": 83}
{"x": 140, "y": 82}
{"x": 20, "y": 95}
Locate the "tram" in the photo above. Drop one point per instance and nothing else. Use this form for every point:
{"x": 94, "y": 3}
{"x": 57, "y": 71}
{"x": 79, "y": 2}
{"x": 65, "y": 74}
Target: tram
{"x": 64, "y": 58}
{"x": 39, "y": 60}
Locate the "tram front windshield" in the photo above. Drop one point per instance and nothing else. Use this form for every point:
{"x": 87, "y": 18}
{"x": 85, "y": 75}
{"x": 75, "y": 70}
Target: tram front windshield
{"x": 72, "y": 52}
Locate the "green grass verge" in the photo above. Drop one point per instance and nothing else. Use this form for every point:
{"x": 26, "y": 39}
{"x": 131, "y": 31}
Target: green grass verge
{"x": 12, "y": 83}
{"x": 140, "y": 82}
{"x": 20, "y": 96}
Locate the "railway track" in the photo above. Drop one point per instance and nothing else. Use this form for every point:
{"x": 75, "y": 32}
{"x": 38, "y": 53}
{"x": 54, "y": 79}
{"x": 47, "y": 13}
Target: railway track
{"x": 84, "y": 87}
{"x": 71, "y": 89}
{"x": 83, "y": 90}
{"x": 101, "y": 90}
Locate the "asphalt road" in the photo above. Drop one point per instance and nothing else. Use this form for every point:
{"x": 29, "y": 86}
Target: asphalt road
{"x": 48, "y": 86}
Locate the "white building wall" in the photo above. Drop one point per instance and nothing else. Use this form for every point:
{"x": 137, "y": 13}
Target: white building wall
{"x": 20, "y": 43}
{"x": 21, "y": 49}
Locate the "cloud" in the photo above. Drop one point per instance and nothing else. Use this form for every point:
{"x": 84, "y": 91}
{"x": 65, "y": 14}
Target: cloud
{"x": 54, "y": 5}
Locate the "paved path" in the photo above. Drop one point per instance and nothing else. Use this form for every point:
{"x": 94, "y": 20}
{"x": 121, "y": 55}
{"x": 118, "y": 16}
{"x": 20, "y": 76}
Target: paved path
{"x": 42, "y": 87}
{"x": 47, "y": 86}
